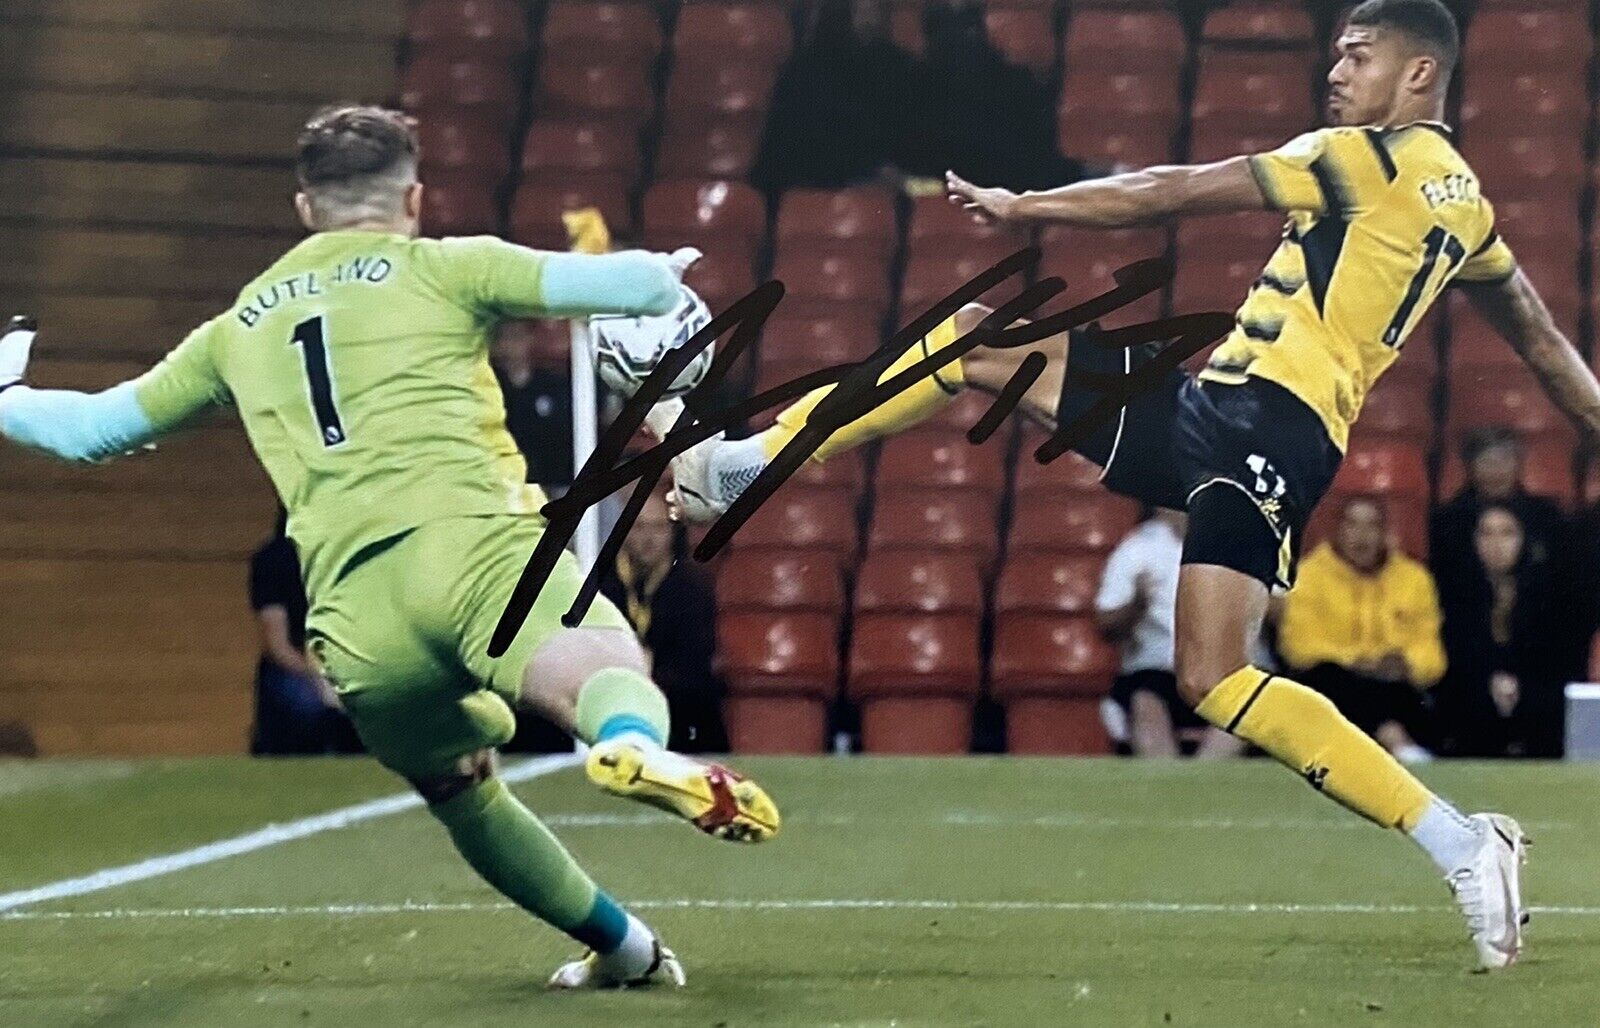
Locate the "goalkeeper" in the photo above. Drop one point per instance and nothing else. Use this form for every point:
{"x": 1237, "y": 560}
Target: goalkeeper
{"x": 358, "y": 363}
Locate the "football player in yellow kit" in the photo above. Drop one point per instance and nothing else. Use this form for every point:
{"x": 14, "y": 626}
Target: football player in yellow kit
{"x": 1383, "y": 214}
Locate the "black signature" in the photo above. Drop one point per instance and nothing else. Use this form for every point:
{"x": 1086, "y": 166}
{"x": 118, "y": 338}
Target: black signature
{"x": 857, "y": 391}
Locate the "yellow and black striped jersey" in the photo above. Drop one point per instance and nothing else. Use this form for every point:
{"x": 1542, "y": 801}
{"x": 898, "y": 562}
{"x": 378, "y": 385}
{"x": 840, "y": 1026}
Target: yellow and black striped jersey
{"x": 1380, "y": 221}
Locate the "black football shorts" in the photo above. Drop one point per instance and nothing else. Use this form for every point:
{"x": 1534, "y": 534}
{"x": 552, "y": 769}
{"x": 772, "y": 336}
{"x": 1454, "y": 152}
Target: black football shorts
{"x": 1248, "y": 462}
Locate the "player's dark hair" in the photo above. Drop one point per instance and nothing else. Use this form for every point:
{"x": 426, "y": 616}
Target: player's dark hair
{"x": 356, "y": 161}
{"x": 1429, "y": 22}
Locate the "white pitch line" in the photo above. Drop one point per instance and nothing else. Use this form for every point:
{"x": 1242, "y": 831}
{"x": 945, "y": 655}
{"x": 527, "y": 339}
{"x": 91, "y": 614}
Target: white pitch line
{"x": 985, "y": 906}
{"x": 261, "y": 838}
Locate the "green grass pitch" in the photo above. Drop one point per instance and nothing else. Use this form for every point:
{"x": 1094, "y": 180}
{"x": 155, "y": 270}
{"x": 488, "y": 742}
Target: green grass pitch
{"x": 907, "y": 892}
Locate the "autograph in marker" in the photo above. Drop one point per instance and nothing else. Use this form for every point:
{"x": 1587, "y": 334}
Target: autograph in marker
{"x": 857, "y": 390}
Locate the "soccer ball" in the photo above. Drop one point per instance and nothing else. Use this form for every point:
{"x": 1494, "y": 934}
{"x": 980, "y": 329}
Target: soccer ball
{"x": 627, "y": 349}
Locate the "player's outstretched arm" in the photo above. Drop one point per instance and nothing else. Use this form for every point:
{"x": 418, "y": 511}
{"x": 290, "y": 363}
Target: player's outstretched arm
{"x": 1134, "y": 198}
{"x": 505, "y": 280}
{"x": 1515, "y": 310}
{"x": 92, "y": 427}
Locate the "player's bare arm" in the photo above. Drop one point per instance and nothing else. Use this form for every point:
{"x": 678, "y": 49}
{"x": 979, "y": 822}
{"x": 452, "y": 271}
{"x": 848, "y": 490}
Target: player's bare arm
{"x": 1516, "y": 311}
{"x": 1146, "y": 197}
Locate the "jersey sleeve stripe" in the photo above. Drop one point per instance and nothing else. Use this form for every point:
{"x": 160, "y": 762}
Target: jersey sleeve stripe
{"x": 1264, "y": 179}
{"x": 1494, "y": 237}
{"x": 1385, "y": 158}
{"x": 1335, "y": 200}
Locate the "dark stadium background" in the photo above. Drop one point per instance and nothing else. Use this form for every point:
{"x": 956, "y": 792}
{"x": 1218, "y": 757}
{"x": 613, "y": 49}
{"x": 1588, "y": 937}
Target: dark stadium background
{"x": 144, "y": 177}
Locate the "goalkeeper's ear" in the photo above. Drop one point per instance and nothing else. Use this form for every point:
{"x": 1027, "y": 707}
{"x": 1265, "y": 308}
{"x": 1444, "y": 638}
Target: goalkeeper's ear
{"x": 14, "y": 347}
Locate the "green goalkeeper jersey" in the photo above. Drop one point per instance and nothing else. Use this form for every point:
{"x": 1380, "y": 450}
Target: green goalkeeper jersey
{"x": 359, "y": 365}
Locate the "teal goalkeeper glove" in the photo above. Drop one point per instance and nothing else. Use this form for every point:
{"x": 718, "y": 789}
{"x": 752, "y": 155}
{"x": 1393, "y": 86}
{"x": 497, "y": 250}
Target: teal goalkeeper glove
{"x": 14, "y": 347}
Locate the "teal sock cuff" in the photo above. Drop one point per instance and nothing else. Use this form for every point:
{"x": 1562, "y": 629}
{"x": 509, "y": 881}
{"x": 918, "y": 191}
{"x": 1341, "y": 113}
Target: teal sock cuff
{"x": 618, "y": 724}
{"x": 605, "y": 927}
{"x": 621, "y": 693}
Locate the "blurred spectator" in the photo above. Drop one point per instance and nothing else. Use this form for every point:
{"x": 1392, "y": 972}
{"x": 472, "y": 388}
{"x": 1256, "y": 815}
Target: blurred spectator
{"x": 296, "y": 709}
{"x": 837, "y": 109}
{"x": 1134, "y": 608}
{"x": 1503, "y": 695}
{"x": 538, "y": 403}
{"x": 1492, "y": 456}
{"x": 976, "y": 114}
{"x": 1361, "y": 626}
{"x": 672, "y": 606}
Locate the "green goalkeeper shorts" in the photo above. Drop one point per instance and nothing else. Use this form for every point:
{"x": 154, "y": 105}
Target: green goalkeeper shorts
{"x": 403, "y": 636}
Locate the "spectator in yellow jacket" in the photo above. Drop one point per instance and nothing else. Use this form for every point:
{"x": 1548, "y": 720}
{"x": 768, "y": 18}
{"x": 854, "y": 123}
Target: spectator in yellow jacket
{"x": 1361, "y": 626}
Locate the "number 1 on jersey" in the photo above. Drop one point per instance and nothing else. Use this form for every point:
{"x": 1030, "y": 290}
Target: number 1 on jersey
{"x": 1437, "y": 241}
{"x": 308, "y": 335}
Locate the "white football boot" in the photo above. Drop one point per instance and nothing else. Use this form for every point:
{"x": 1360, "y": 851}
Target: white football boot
{"x": 590, "y": 971}
{"x": 15, "y": 343}
{"x": 1489, "y": 891}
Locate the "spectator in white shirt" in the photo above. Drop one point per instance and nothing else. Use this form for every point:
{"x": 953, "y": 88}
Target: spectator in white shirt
{"x": 1134, "y": 608}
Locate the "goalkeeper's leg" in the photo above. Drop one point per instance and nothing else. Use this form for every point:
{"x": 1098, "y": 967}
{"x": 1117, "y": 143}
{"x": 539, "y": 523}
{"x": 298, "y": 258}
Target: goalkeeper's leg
{"x": 709, "y": 477}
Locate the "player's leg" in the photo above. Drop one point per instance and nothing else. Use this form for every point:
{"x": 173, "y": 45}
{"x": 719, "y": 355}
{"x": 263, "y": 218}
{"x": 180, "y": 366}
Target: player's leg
{"x": 592, "y": 680}
{"x": 372, "y": 635}
{"x": 709, "y": 477}
{"x": 1219, "y": 611}
{"x": 514, "y": 852}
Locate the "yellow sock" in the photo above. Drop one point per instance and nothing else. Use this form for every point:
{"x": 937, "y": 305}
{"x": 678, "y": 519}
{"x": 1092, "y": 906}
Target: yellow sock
{"x": 1306, "y": 733}
{"x": 918, "y": 403}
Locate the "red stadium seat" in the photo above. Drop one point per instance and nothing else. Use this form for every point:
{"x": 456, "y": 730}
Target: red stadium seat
{"x": 614, "y": 89}
{"x": 699, "y": 208}
{"x": 1213, "y": 284}
{"x": 1050, "y": 672}
{"x": 1546, "y": 100}
{"x": 857, "y": 220}
{"x": 540, "y": 200}
{"x": 1146, "y": 94}
{"x": 581, "y": 146}
{"x": 463, "y": 145}
{"x": 754, "y": 31}
{"x": 486, "y": 28}
{"x": 1023, "y": 35}
{"x": 461, "y": 204}
{"x": 1249, "y": 237}
{"x": 1396, "y": 411}
{"x": 820, "y": 519}
{"x": 1068, "y": 473}
{"x": 1539, "y": 225}
{"x": 1260, "y": 91}
{"x": 782, "y": 670}
{"x": 936, "y": 519}
{"x": 1076, "y": 522}
{"x": 905, "y": 28}
{"x": 1049, "y": 583}
{"x": 913, "y": 581}
{"x": 1272, "y": 24}
{"x": 916, "y": 677}
{"x": 935, "y": 274}
{"x": 721, "y": 278}
{"x": 1111, "y": 38}
{"x": 1513, "y": 399}
{"x": 1137, "y": 145}
{"x": 820, "y": 342}
{"x": 621, "y": 29}
{"x": 1086, "y": 260}
{"x": 1383, "y": 469}
{"x": 941, "y": 459}
{"x": 1217, "y": 139}
{"x": 793, "y": 580}
{"x": 741, "y": 88}
{"x": 489, "y": 90}
{"x": 1552, "y": 36}
{"x": 841, "y": 471}
{"x": 809, "y": 275}
{"x": 961, "y": 413}
{"x": 1514, "y": 166}
{"x": 693, "y": 146}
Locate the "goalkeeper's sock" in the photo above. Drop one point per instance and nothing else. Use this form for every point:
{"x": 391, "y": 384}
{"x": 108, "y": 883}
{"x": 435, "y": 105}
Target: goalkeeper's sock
{"x": 1307, "y": 734}
{"x": 925, "y": 398}
{"x": 617, "y": 702}
{"x": 514, "y": 852}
